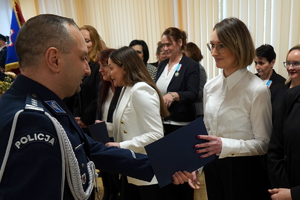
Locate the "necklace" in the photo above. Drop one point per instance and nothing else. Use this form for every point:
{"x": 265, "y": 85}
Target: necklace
{"x": 178, "y": 67}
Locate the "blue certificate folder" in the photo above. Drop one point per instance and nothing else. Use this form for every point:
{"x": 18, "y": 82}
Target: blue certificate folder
{"x": 99, "y": 132}
{"x": 176, "y": 152}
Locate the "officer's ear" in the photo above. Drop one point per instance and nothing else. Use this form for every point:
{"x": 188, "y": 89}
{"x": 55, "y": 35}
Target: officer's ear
{"x": 52, "y": 56}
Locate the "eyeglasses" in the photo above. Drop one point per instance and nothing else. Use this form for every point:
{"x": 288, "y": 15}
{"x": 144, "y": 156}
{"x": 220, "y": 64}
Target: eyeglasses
{"x": 220, "y": 47}
{"x": 162, "y": 53}
{"x": 139, "y": 52}
{"x": 294, "y": 64}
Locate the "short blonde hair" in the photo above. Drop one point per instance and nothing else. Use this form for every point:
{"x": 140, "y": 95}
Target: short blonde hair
{"x": 234, "y": 34}
{"x": 296, "y": 47}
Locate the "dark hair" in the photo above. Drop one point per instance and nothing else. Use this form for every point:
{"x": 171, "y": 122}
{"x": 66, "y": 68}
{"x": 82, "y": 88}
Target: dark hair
{"x": 176, "y": 34}
{"x": 105, "y": 85}
{"x": 234, "y": 35}
{"x": 40, "y": 33}
{"x": 194, "y": 51}
{"x": 144, "y": 47}
{"x": 2, "y": 37}
{"x": 104, "y": 56}
{"x": 159, "y": 46}
{"x": 266, "y": 51}
{"x": 129, "y": 59}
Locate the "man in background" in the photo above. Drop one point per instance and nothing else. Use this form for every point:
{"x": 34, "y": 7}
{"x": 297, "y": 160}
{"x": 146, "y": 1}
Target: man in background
{"x": 3, "y": 52}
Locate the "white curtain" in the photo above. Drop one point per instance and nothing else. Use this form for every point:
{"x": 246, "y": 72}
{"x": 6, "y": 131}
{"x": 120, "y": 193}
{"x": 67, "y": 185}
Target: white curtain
{"x": 118, "y": 21}
{"x": 274, "y": 22}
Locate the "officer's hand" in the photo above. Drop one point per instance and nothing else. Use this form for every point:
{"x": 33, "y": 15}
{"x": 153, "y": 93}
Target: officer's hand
{"x": 113, "y": 144}
{"x": 81, "y": 124}
{"x": 280, "y": 194}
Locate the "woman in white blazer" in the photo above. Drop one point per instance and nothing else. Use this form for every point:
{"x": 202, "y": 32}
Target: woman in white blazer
{"x": 137, "y": 118}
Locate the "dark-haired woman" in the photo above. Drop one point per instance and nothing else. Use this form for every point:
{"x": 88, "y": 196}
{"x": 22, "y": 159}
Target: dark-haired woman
{"x": 108, "y": 98}
{"x": 264, "y": 61}
{"x": 193, "y": 51}
{"x": 137, "y": 118}
{"x": 141, "y": 47}
{"x": 178, "y": 80}
{"x": 160, "y": 54}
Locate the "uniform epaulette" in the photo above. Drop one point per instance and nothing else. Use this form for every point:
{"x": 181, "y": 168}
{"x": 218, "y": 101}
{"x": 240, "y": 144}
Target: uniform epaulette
{"x": 33, "y": 103}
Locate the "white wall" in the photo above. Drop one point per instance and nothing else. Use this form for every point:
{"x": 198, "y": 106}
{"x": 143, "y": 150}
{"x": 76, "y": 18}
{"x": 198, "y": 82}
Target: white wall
{"x": 5, "y": 15}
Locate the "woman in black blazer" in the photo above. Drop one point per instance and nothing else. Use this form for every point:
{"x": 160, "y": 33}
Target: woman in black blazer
{"x": 178, "y": 80}
{"x": 84, "y": 104}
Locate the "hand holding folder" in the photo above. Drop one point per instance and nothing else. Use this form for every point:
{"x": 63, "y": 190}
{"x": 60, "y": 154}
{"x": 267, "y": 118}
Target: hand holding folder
{"x": 176, "y": 152}
{"x": 99, "y": 132}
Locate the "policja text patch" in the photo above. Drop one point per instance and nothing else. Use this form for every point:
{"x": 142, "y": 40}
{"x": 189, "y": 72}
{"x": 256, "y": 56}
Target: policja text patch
{"x": 34, "y": 137}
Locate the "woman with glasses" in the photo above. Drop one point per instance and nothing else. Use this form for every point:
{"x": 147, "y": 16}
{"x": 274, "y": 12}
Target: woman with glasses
{"x": 160, "y": 54}
{"x": 237, "y": 116}
{"x": 283, "y": 154}
{"x": 142, "y": 50}
{"x": 292, "y": 65}
{"x": 178, "y": 80}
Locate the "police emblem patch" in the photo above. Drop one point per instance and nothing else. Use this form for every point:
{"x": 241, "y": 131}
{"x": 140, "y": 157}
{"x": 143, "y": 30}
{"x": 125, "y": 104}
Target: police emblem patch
{"x": 55, "y": 106}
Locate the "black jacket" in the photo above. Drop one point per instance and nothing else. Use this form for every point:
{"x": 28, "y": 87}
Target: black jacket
{"x": 186, "y": 84}
{"x": 284, "y": 148}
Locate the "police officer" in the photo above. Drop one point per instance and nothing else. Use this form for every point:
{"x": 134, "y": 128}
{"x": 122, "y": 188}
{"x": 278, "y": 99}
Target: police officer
{"x": 43, "y": 152}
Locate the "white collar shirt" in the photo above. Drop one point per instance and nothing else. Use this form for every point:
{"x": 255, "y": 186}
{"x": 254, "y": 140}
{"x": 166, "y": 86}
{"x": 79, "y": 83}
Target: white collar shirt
{"x": 105, "y": 108}
{"x": 165, "y": 79}
{"x": 238, "y": 110}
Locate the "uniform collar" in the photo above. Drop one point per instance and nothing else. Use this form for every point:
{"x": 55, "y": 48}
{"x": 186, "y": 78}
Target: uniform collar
{"x": 42, "y": 93}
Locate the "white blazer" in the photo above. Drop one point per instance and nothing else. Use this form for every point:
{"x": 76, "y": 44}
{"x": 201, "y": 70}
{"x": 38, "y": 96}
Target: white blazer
{"x": 137, "y": 121}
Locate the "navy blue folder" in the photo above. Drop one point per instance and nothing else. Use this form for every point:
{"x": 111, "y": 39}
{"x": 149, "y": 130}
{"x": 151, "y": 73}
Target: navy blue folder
{"x": 99, "y": 132}
{"x": 176, "y": 152}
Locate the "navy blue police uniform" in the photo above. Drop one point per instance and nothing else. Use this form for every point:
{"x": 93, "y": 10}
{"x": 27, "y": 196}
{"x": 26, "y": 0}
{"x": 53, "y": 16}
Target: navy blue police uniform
{"x": 36, "y": 161}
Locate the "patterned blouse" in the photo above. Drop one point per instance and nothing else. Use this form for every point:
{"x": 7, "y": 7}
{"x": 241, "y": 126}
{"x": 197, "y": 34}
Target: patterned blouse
{"x": 152, "y": 70}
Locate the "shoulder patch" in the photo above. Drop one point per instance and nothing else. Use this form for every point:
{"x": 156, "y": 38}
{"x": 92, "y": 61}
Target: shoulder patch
{"x": 30, "y": 138}
{"x": 32, "y": 103}
{"x": 55, "y": 106}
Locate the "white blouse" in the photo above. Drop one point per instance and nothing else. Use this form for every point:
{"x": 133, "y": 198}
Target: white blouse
{"x": 238, "y": 109}
{"x": 105, "y": 108}
{"x": 165, "y": 78}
